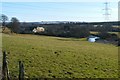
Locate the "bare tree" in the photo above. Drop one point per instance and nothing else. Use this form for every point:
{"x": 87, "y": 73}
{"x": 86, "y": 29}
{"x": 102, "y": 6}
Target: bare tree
{"x": 3, "y": 19}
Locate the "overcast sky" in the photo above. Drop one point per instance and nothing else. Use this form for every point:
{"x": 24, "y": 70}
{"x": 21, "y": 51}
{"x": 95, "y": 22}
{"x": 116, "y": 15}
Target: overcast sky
{"x": 51, "y": 10}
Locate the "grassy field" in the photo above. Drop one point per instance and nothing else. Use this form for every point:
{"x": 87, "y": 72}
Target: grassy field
{"x": 55, "y": 57}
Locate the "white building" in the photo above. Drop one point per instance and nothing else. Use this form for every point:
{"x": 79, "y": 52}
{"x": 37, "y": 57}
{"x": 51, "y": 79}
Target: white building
{"x": 38, "y": 29}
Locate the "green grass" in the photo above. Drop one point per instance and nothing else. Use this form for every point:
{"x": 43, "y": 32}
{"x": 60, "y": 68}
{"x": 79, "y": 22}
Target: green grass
{"x": 49, "y": 57}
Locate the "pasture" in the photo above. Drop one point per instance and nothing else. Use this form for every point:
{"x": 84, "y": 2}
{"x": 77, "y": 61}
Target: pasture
{"x": 55, "y": 57}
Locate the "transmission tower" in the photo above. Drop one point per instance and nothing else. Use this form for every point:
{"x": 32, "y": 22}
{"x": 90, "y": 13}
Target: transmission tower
{"x": 106, "y": 9}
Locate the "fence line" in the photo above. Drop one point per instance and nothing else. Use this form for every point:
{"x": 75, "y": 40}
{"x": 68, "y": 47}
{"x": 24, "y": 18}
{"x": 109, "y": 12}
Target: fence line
{"x": 5, "y": 69}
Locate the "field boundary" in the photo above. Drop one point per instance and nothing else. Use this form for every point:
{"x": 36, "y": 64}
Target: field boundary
{"x": 5, "y": 69}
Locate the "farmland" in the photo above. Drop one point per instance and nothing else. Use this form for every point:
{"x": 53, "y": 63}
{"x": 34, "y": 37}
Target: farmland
{"x": 55, "y": 57}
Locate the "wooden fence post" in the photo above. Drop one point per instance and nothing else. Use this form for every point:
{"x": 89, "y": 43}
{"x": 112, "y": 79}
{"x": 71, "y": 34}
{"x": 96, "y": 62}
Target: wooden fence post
{"x": 5, "y": 70}
{"x": 3, "y": 66}
{"x": 21, "y": 71}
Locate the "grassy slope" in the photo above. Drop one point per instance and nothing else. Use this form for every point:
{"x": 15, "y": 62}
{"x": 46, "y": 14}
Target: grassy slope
{"x": 60, "y": 57}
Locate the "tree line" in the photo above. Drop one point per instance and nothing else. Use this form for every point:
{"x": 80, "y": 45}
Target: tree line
{"x": 62, "y": 29}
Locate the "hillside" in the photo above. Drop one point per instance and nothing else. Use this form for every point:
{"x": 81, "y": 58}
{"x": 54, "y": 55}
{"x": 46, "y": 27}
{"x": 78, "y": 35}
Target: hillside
{"x": 55, "y": 57}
